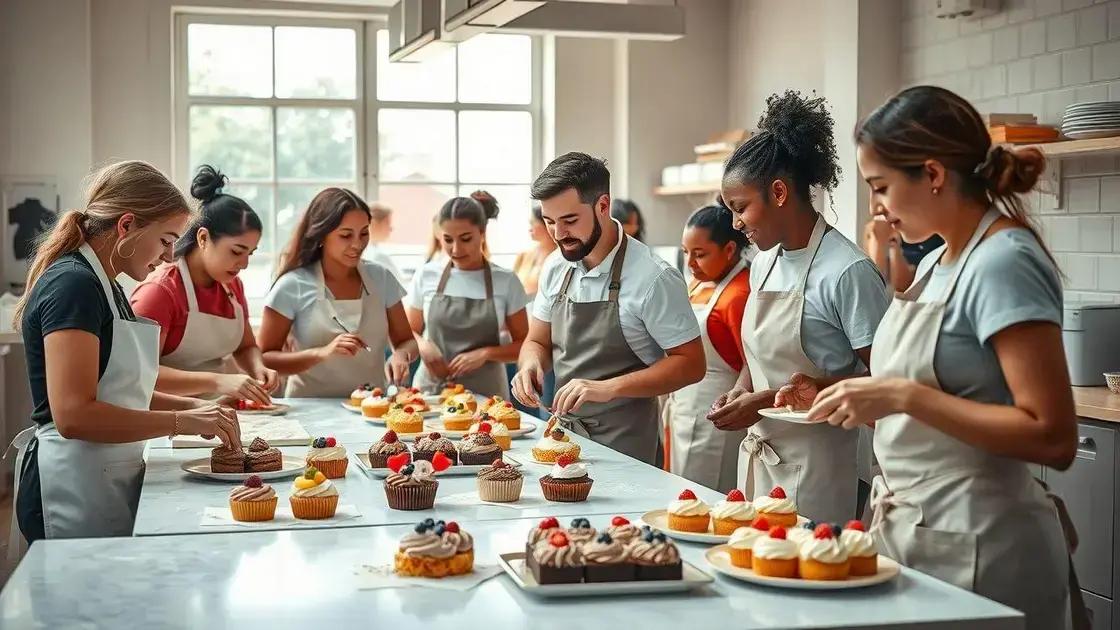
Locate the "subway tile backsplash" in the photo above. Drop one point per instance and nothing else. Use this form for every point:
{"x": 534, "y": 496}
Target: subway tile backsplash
{"x": 1039, "y": 56}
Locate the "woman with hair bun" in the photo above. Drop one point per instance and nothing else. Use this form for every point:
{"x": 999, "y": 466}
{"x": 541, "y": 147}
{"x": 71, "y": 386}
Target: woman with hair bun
{"x": 199, "y": 301}
{"x": 965, "y": 403}
{"x": 721, "y": 282}
{"x": 815, "y": 302}
{"x": 468, "y": 314}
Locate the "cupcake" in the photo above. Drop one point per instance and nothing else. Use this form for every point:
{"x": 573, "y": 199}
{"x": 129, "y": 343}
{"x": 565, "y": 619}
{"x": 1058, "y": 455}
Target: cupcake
{"x": 406, "y": 395}
{"x": 656, "y": 557}
{"x": 485, "y": 405}
{"x": 567, "y": 482}
{"x": 538, "y": 535}
{"x": 623, "y": 530}
{"x": 607, "y": 560}
{"x": 328, "y": 456}
{"x": 313, "y": 495}
{"x": 777, "y": 508}
{"x": 580, "y": 531}
{"x": 506, "y": 413}
{"x": 689, "y": 514}
{"x": 456, "y": 417}
{"x": 381, "y": 450}
{"x": 375, "y": 405}
{"x": 773, "y": 555}
{"x": 404, "y": 419}
{"x": 823, "y": 557}
{"x": 263, "y": 458}
{"x": 557, "y": 561}
{"x": 435, "y": 549}
{"x": 862, "y": 553}
{"x": 253, "y": 501}
{"x": 554, "y": 444}
{"x": 732, "y": 513}
{"x": 361, "y": 393}
{"x": 801, "y": 533}
{"x": 498, "y": 431}
{"x": 451, "y": 389}
{"x": 413, "y": 486}
{"x": 466, "y": 399}
{"x": 479, "y": 448}
{"x": 227, "y": 460}
{"x": 742, "y": 541}
{"x": 426, "y": 446}
{"x": 500, "y": 483}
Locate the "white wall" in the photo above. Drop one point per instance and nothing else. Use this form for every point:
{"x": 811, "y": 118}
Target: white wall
{"x": 585, "y": 97}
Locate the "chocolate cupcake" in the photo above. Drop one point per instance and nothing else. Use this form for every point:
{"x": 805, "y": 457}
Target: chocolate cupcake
{"x": 388, "y": 446}
{"x": 227, "y": 460}
{"x": 656, "y": 557}
{"x": 537, "y": 535}
{"x": 413, "y": 486}
{"x": 567, "y": 482}
{"x": 500, "y": 483}
{"x": 425, "y": 447}
{"x": 478, "y": 449}
{"x": 262, "y": 457}
{"x": 607, "y": 560}
{"x": 557, "y": 561}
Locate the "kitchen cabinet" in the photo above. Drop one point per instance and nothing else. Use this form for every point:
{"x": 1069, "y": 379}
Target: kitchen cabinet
{"x": 1100, "y": 610}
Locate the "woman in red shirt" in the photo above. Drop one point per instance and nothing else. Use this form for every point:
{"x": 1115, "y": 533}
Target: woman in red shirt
{"x": 714, "y": 250}
{"x": 199, "y": 302}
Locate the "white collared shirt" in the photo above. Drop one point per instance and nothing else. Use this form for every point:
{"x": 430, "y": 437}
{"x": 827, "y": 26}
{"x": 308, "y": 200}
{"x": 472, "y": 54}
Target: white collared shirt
{"x": 653, "y": 300}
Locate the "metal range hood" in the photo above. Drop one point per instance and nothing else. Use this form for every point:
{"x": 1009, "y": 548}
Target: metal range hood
{"x": 420, "y": 29}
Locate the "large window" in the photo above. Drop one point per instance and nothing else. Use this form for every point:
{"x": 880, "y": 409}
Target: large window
{"x": 286, "y": 107}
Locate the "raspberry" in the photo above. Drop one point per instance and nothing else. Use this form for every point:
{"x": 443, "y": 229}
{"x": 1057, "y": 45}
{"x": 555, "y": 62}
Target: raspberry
{"x": 619, "y": 521}
{"x": 484, "y": 427}
{"x": 564, "y": 461}
{"x": 440, "y": 461}
{"x": 687, "y": 495}
{"x": 736, "y": 495}
{"x": 397, "y": 462}
{"x": 823, "y": 531}
{"x": 254, "y": 481}
{"x": 778, "y": 532}
{"x": 778, "y": 493}
{"x": 761, "y": 523}
{"x": 434, "y": 435}
{"x": 331, "y": 442}
{"x": 549, "y": 523}
{"x": 389, "y": 437}
{"x": 452, "y": 527}
{"x": 856, "y": 525}
{"x": 498, "y": 463}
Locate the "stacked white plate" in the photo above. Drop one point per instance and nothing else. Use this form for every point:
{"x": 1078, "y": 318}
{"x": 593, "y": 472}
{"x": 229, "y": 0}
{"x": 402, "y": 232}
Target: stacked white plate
{"x": 1092, "y": 120}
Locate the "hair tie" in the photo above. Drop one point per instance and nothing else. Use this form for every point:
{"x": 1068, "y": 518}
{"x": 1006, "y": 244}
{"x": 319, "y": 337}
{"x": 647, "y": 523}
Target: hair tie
{"x": 990, "y": 162}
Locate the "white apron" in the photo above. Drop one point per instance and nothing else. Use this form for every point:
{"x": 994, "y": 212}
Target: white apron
{"x": 208, "y": 340}
{"x": 814, "y": 463}
{"x": 90, "y": 489}
{"x": 699, "y": 451}
{"x": 337, "y": 376}
{"x": 959, "y": 513}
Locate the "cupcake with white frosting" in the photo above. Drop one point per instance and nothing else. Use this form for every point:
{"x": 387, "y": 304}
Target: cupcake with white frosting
{"x": 742, "y": 541}
{"x": 774, "y": 555}
{"x": 863, "y": 555}
{"x": 823, "y": 557}
{"x": 689, "y": 514}
{"x": 777, "y": 507}
{"x": 567, "y": 481}
{"x": 732, "y": 513}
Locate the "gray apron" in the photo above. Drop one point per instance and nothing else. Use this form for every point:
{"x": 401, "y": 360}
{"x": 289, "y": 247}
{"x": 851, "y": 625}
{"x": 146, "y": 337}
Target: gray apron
{"x": 588, "y": 343}
{"x": 459, "y": 324}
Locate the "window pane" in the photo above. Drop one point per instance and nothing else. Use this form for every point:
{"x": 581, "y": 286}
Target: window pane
{"x": 229, "y": 60}
{"x": 414, "y": 207}
{"x": 257, "y": 277}
{"x": 430, "y": 81}
{"x": 496, "y": 69}
{"x": 509, "y": 233}
{"x": 235, "y": 140}
{"x": 315, "y": 143}
{"x": 416, "y": 145}
{"x": 291, "y": 202}
{"x": 316, "y": 62}
{"x": 495, "y": 147}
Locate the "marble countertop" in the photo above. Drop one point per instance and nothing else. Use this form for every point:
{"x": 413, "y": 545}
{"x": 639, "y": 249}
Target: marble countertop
{"x": 306, "y": 579}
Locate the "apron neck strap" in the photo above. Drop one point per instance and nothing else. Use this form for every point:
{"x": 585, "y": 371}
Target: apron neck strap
{"x": 616, "y": 268}
{"x": 814, "y": 245}
{"x": 487, "y": 277}
{"x": 324, "y": 291}
{"x": 989, "y": 218}
{"x": 91, "y": 257}
{"x": 192, "y": 291}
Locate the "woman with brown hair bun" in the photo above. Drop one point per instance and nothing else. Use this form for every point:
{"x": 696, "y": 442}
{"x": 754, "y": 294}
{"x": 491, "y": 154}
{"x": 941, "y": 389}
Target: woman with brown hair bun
{"x": 342, "y": 311}
{"x": 962, "y": 401}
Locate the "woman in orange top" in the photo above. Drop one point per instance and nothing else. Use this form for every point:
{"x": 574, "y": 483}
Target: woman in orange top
{"x": 714, "y": 249}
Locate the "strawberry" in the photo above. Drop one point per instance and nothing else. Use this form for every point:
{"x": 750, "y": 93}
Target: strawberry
{"x": 761, "y": 523}
{"x": 856, "y": 525}
{"x": 241, "y": 405}
{"x": 778, "y": 493}
{"x": 484, "y": 427}
{"x": 331, "y": 442}
{"x": 451, "y": 527}
{"x": 549, "y": 523}
{"x": 564, "y": 461}
{"x": 440, "y": 461}
{"x": 823, "y": 531}
{"x": 778, "y": 532}
{"x": 389, "y": 437}
{"x": 619, "y": 521}
{"x": 687, "y": 495}
{"x": 736, "y": 496}
{"x": 396, "y": 462}
{"x": 559, "y": 539}
{"x": 377, "y": 392}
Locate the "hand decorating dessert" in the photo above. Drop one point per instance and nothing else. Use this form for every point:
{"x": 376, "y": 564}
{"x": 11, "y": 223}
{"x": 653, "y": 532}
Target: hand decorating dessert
{"x": 328, "y": 456}
{"x": 260, "y": 457}
{"x": 313, "y": 495}
{"x": 777, "y": 507}
{"x": 435, "y": 549}
{"x": 500, "y": 483}
{"x": 252, "y": 501}
{"x": 689, "y": 514}
{"x": 506, "y": 413}
{"x": 456, "y": 416}
{"x": 554, "y": 444}
{"x": 732, "y": 513}
{"x": 479, "y": 448}
{"x": 567, "y": 481}
{"x": 426, "y": 446}
{"x": 498, "y": 431}
{"x": 826, "y": 553}
{"x": 580, "y": 553}
{"x": 362, "y": 392}
{"x": 412, "y": 486}
{"x": 404, "y": 419}
{"x": 381, "y": 450}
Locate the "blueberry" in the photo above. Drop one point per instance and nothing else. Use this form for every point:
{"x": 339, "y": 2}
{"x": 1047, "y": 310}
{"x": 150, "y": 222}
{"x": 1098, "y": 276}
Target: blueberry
{"x": 648, "y": 537}
{"x": 430, "y": 522}
{"x": 659, "y": 537}
{"x": 440, "y": 522}
{"x": 580, "y": 523}
{"x": 605, "y": 538}
{"x": 836, "y": 529}
{"x": 420, "y": 528}
{"x": 440, "y": 529}
{"x": 810, "y": 525}
{"x": 407, "y": 469}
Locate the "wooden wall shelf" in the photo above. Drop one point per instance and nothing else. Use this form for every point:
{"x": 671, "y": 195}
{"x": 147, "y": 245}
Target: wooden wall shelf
{"x": 687, "y": 189}
{"x": 1078, "y": 148}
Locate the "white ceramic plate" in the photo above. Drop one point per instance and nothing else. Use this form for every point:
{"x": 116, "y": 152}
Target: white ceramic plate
{"x": 278, "y": 409}
{"x": 781, "y": 413}
{"x": 348, "y": 407}
{"x": 514, "y": 566}
{"x": 289, "y": 467}
{"x": 659, "y": 520}
{"x": 1088, "y": 135}
{"x": 453, "y": 471}
{"x": 719, "y": 558}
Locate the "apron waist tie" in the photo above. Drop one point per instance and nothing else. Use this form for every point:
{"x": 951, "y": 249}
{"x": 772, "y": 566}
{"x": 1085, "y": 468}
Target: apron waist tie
{"x": 754, "y": 445}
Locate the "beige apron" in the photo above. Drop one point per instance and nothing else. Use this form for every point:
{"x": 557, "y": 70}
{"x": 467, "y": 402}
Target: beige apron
{"x": 963, "y": 515}
{"x": 459, "y": 324}
{"x": 814, "y": 463}
{"x": 337, "y": 376}
{"x": 699, "y": 451}
{"x": 588, "y": 343}
{"x": 208, "y": 340}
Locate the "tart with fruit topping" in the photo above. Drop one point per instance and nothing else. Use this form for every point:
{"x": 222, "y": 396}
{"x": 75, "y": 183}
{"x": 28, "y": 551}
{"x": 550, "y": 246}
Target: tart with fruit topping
{"x": 404, "y": 419}
{"x": 456, "y": 416}
{"x": 506, "y": 413}
{"x": 313, "y": 495}
{"x": 554, "y": 444}
{"x": 328, "y": 456}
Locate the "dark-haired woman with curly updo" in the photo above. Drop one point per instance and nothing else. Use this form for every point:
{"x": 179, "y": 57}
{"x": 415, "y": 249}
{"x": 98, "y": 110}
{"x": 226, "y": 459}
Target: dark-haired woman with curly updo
{"x": 960, "y": 400}
{"x": 199, "y": 302}
{"x": 815, "y": 302}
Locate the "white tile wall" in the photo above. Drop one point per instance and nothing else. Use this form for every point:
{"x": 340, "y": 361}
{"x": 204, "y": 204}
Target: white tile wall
{"x": 1039, "y": 56}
